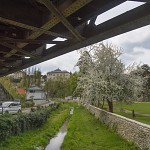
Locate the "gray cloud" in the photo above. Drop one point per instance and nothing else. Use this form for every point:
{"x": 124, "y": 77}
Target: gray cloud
{"x": 129, "y": 47}
{"x": 64, "y": 62}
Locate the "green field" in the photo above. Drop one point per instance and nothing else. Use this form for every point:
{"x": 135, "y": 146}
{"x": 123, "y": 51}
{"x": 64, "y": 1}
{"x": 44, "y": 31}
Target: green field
{"x": 38, "y": 137}
{"x": 140, "y": 108}
{"x": 143, "y": 119}
{"x": 87, "y": 133}
{"x": 143, "y": 107}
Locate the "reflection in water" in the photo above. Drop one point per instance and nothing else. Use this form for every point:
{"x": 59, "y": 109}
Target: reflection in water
{"x": 56, "y": 142}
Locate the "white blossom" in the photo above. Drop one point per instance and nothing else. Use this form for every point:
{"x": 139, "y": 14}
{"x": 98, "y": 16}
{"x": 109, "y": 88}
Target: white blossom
{"x": 103, "y": 77}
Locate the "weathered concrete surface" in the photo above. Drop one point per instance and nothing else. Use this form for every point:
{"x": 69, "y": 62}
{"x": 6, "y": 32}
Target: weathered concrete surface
{"x": 134, "y": 131}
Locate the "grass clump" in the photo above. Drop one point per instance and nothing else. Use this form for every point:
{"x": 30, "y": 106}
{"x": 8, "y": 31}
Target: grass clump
{"x": 87, "y": 133}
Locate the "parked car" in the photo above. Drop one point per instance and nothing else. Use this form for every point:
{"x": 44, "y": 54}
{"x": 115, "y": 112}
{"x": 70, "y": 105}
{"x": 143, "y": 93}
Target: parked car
{"x": 10, "y": 107}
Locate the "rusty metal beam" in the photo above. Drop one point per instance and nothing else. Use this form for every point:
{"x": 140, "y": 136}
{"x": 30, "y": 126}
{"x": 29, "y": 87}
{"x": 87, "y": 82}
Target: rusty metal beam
{"x": 92, "y": 21}
{"x": 8, "y": 65}
{"x": 52, "y": 22}
{"x": 2, "y": 52}
{"x": 12, "y": 40}
{"x": 32, "y": 28}
{"x": 139, "y": 17}
{"x": 58, "y": 14}
{"x": 9, "y": 59}
{"x": 19, "y": 50}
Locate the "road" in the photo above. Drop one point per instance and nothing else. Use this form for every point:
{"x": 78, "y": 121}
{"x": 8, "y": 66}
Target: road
{"x": 28, "y": 110}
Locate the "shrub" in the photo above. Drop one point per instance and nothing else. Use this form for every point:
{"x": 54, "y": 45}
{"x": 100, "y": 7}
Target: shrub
{"x": 12, "y": 125}
{"x": 29, "y": 103}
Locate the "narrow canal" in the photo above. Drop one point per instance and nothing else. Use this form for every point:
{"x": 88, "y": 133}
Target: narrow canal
{"x": 56, "y": 142}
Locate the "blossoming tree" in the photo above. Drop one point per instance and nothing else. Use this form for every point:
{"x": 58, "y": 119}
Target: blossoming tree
{"x": 103, "y": 77}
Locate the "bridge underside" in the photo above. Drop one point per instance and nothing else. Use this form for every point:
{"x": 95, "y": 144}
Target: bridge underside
{"x": 26, "y": 26}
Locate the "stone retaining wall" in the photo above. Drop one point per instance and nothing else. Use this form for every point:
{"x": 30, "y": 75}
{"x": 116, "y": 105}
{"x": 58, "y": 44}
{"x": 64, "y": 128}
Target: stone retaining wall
{"x": 129, "y": 129}
{"x": 39, "y": 102}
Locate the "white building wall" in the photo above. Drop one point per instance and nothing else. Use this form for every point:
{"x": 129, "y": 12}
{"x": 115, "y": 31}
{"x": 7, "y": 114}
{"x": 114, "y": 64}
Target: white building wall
{"x": 39, "y": 102}
{"x": 57, "y": 76}
{"x": 16, "y": 75}
{"x": 36, "y": 95}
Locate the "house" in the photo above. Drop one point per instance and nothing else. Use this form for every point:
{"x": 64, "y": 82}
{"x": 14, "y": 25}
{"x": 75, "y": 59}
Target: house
{"x": 36, "y": 94}
{"x": 58, "y": 74}
{"x": 17, "y": 75}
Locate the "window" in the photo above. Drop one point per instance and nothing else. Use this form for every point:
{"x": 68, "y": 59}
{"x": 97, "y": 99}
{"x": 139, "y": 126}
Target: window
{"x": 14, "y": 104}
{"x": 32, "y": 91}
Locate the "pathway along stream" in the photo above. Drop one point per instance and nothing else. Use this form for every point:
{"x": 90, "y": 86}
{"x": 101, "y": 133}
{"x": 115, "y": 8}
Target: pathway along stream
{"x": 56, "y": 142}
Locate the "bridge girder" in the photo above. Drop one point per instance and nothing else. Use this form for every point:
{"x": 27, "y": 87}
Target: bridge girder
{"x": 20, "y": 38}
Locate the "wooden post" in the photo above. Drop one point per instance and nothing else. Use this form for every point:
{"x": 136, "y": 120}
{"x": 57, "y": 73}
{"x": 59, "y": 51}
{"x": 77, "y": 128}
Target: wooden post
{"x": 133, "y": 114}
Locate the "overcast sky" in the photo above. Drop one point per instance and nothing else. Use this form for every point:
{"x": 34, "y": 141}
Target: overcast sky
{"x": 135, "y": 44}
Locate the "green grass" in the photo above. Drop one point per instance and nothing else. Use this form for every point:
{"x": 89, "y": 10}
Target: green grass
{"x": 143, "y": 107}
{"x": 143, "y": 119}
{"x": 38, "y": 137}
{"x": 87, "y": 133}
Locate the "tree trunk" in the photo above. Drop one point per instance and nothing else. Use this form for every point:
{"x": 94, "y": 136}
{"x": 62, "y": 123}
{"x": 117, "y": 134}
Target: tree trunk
{"x": 110, "y": 104}
{"x": 99, "y": 104}
{"x": 103, "y": 104}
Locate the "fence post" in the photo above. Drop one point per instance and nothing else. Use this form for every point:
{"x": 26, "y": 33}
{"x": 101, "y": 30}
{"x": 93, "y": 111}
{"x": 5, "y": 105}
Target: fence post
{"x": 133, "y": 114}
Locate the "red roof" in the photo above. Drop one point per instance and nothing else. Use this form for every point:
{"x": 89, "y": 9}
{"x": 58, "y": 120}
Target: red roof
{"x": 21, "y": 91}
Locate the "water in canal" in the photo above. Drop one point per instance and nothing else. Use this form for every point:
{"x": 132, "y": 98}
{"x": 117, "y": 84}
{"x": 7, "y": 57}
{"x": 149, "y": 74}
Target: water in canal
{"x": 56, "y": 142}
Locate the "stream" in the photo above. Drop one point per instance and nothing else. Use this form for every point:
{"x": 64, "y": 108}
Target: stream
{"x": 56, "y": 142}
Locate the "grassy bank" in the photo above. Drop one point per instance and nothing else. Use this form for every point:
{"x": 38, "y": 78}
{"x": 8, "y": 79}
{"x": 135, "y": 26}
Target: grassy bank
{"x": 39, "y": 137}
{"x": 87, "y": 133}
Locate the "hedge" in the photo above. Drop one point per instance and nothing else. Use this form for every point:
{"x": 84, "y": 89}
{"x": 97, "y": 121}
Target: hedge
{"x": 13, "y": 125}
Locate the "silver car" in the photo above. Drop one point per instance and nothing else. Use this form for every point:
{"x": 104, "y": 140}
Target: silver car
{"x": 10, "y": 107}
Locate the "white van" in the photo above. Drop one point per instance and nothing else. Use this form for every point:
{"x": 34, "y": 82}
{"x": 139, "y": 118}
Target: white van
{"x": 10, "y": 107}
